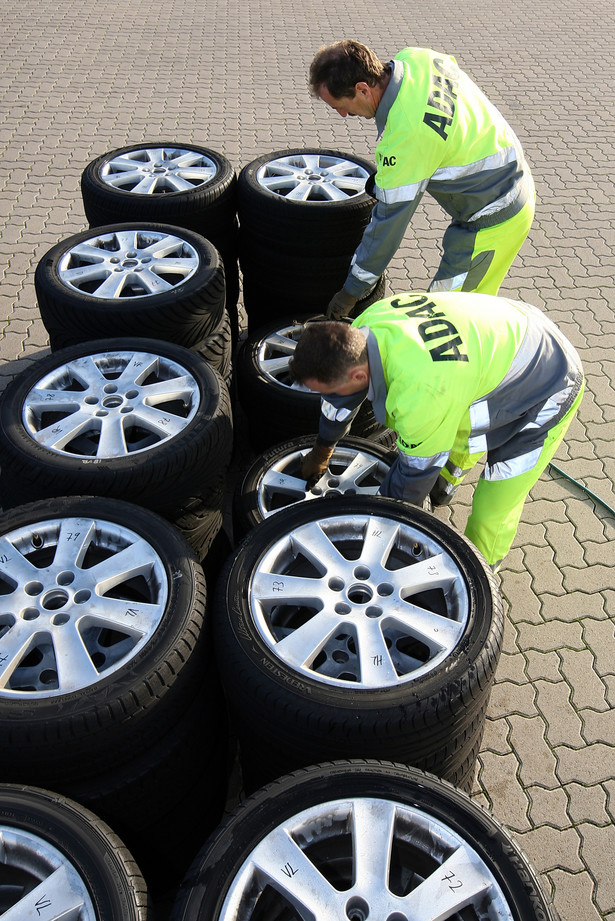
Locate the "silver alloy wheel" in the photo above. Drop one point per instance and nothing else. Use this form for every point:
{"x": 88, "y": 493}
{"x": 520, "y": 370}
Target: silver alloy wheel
{"x": 81, "y": 598}
{"x": 313, "y": 178}
{"x": 110, "y": 404}
{"x": 274, "y": 353}
{"x": 128, "y": 263}
{"x": 158, "y": 170}
{"x": 38, "y": 881}
{"x": 351, "y": 472}
{"x": 361, "y": 600}
{"x": 362, "y": 858}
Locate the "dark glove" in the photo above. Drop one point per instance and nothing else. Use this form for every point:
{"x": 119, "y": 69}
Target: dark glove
{"x": 340, "y": 305}
{"x": 315, "y": 464}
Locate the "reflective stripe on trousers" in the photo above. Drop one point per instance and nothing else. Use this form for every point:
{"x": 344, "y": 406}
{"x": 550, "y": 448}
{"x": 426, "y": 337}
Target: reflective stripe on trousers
{"x": 497, "y": 504}
{"x": 479, "y": 260}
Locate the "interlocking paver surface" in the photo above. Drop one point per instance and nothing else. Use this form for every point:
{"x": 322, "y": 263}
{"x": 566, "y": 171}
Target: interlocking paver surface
{"x": 79, "y": 79}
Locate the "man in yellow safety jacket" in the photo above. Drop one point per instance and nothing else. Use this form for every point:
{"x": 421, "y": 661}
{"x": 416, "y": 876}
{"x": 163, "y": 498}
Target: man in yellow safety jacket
{"x": 437, "y": 133}
{"x": 451, "y": 373}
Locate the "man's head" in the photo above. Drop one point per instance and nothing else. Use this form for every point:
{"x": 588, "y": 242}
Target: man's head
{"x": 349, "y": 77}
{"x": 331, "y": 357}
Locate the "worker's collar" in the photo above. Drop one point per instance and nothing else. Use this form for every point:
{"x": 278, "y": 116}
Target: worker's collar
{"x": 389, "y": 96}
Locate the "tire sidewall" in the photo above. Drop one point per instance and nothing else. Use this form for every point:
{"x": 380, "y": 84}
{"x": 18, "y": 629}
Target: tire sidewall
{"x": 186, "y": 603}
{"x": 87, "y": 843}
{"x": 23, "y": 454}
{"x": 235, "y": 622}
{"x": 215, "y": 868}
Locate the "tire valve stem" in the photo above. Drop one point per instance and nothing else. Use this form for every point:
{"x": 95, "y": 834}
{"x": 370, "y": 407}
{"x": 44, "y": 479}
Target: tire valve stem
{"x": 37, "y": 541}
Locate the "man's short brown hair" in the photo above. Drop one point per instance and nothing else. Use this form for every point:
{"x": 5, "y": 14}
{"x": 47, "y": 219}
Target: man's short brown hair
{"x": 327, "y": 351}
{"x": 340, "y": 66}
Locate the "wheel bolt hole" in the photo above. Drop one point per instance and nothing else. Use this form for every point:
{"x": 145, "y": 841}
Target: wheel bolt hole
{"x": 82, "y": 596}
{"x": 58, "y": 619}
{"x": 362, "y": 573}
{"x": 385, "y": 589}
{"x": 373, "y": 611}
{"x": 357, "y": 909}
{"x": 30, "y": 614}
{"x": 336, "y": 584}
{"x": 33, "y": 589}
{"x": 65, "y": 578}
{"x": 343, "y": 609}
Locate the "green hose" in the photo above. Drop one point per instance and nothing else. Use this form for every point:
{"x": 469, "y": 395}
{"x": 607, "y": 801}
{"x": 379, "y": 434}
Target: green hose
{"x": 591, "y": 494}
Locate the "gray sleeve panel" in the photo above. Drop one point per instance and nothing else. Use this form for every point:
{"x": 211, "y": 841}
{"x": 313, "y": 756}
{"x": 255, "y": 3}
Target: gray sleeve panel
{"x": 380, "y": 242}
{"x": 336, "y": 415}
{"x": 412, "y": 484}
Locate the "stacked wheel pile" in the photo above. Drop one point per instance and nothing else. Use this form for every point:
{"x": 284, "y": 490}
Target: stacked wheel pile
{"x": 343, "y": 627}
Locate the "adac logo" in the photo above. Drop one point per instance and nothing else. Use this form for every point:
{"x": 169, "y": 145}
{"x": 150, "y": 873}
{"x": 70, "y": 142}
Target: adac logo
{"x": 386, "y": 161}
{"x": 405, "y": 444}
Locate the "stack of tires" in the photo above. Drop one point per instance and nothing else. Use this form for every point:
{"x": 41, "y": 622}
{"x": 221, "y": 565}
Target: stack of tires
{"x": 194, "y": 187}
{"x": 357, "y": 628}
{"x": 109, "y": 691}
{"x": 302, "y": 214}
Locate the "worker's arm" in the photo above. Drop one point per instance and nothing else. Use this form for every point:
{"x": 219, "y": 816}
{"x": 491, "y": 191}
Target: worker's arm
{"x": 380, "y": 242}
{"x": 412, "y": 478}
{"x": 336, "y": 415}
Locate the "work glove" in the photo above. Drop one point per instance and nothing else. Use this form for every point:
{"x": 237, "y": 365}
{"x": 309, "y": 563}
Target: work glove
{"x": 340, "y": 305}
{"x": 315, "y": 464}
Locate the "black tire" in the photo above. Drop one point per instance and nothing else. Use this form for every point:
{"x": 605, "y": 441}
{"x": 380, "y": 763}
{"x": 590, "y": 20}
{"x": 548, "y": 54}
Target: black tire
{"x": 182, "y": 301}
{"x": 217, "y": 349}
{"x": 372, "y": 664}
{"x": 207, "y": 203}
{"x": 314, "y": 224}
{"x": 173, "y": 791}
{"x": 116, "y": 632}
{"x": 170, "y": 406}
{"x": 44, "y": 835}
{"x": 273, "y": 481}
{"x": 267, "y": 296}
{"x": 358, "y": 840}
{"x": 274, "y": 408}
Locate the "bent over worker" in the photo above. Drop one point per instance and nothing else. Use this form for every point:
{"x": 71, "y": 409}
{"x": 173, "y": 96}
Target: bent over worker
{"x": 437, "y": 133}
{"x": 449, "y": 372}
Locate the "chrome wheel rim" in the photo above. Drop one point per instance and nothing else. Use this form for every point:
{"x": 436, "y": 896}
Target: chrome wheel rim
{"x": 39, "y": 880}
{"x": 81, "y": 598}
{"x": 110, "y": 404}
{"x": 274, "y": 353}
{"x": 361, "y": 600}
{"x": 359, "y": 859}
{"x": 313, "y": 178}
{"x": 351, "y": 472}
{"x": 128, "y": 263}
{"x": 158, "y": 170}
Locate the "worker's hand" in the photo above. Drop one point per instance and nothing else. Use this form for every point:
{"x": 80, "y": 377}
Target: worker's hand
{"x": 340, "y": 305}
{"x": 315, "y": 464}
